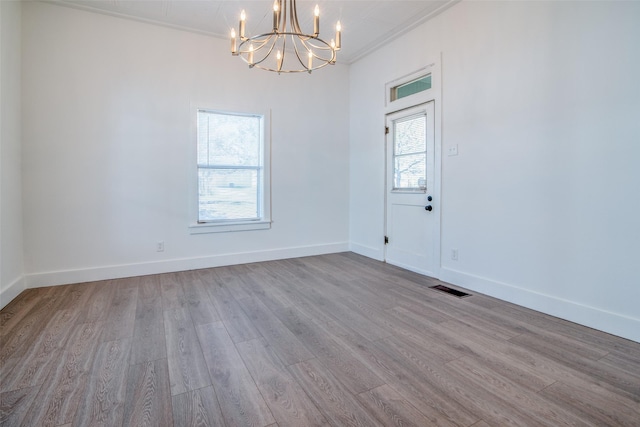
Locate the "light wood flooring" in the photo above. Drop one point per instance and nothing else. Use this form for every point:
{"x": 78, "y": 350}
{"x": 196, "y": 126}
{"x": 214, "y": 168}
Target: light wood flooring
{"x": 336, "y": 340}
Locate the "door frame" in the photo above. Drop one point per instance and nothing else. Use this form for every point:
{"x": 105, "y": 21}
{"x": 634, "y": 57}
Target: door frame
{"x": 431, "y": 95}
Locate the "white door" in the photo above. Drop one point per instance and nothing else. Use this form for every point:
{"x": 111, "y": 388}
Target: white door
{"x": 412, "y": 213}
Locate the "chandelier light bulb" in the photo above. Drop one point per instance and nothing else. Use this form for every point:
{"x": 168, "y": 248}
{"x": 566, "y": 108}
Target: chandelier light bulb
{"x": 234, "y": 46}
{"x": 316, "y": 21}
{"x": 243, "y": 18}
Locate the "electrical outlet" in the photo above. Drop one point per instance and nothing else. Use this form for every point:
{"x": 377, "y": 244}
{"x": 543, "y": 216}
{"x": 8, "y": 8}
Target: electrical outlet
{"x": 453, "y": 150}
{"x": 160, "y": 246}
{"x": 454, "y": 254}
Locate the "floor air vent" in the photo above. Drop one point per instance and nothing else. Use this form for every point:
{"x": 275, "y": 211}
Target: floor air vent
{"x": 455, "y": 292}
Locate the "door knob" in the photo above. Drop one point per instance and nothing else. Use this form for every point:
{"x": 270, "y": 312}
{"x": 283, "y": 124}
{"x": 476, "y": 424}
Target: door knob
{"x": 428, "y": 208}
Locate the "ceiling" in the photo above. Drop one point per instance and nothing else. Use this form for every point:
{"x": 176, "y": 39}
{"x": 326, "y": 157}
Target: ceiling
{"x": 365, "y": 24}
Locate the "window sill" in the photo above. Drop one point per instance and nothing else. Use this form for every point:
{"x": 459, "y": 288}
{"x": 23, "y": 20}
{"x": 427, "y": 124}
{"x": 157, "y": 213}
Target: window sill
{"x": 224, "y": 227}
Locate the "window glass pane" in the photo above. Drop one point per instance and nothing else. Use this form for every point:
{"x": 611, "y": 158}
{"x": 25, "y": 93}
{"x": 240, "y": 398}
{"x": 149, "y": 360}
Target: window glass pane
{"x": 410, "y": 171}
{"x": 228, "y": 194}
{"x": 418, "y": 85}
{"x": 229, "y": 140}
{"x": 410, "y": 135}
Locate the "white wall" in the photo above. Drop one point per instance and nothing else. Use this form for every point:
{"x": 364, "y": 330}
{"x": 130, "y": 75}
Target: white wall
{"x": 11, "y": 241}
{"x": 543, "y": 101}
{"x": 108, "y": 147}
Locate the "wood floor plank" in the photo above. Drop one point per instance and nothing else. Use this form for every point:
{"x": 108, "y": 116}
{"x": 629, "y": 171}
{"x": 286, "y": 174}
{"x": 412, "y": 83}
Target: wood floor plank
{"x": 337, "y": 358}
{"x": 235, "y": 319}
{"x": 613, "y": 376}
{"x": 59, "y": 396}
{"x": 197, "y": 299}
{"x": 17, "y": 342}
{"x": 489, "y": 350}
{"x": 197, "y": 408}
{"x": 336, "y": 403}
{"x": 15, "y": 404}
{"x": 524, "y": 406}
{"x": 97, "y": 308}
{"x": 346, "y": 315}
{"x": 423, "y": 383}
{"x": 13, "y": 313}
{"x": 148, "y": 334}
{"x": 121, "y": 316}
{"x": 284, "y": 343}
{"x": 187, "y": 368}
{"x": 391, "y": 408}
{"x": 287, "y": 401}
{"x": 592, "y": 402}
{"x": 240, "y": 401}
{"x": 172, "y": 291}
{"x": 44, "y": 353}
{"x": 230, "y": 277}
{"x": 104, "y": 396}
{"x": 148, "y": 398}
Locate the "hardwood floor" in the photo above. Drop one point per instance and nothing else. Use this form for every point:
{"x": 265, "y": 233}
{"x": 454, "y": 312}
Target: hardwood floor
{"x": 337, "y": 340}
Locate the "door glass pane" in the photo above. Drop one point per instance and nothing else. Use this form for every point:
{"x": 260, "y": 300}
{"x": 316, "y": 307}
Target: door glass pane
{"x": 409, "y": 152}
{"x": 410, "y": 172}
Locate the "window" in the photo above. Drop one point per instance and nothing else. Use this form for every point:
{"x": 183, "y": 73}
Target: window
{"x": 410, "y": 153}
{"x": 410, "y": 88}
{"x": 231, "y": 170}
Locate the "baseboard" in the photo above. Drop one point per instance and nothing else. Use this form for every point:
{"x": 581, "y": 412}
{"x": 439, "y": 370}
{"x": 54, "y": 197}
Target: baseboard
{"x": 368, "y": 251}
{"x": 54, "y": 278}
{"x": 12, "y": 291}
{"x": 612, "y": 323}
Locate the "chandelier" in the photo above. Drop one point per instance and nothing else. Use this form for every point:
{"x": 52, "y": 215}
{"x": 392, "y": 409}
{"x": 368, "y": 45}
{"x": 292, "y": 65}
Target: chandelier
{"x": 268, "y": 51}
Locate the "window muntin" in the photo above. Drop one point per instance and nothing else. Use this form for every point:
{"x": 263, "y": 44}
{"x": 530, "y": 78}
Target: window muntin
{"x": 230, "y": 153}
{"x": 410, "y": 153}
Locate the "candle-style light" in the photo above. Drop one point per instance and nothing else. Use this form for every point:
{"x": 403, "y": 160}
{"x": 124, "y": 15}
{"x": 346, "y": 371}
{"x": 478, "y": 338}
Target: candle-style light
{"x": 316, "y": 21}
{"x": 338, "y": 36}
{"x": 276, "y": 15}
{"x": 243, "y": 18}
{"x": 250, "y": 58}
{"x": 310, "y": 61}
{"x": 234, "y": 45}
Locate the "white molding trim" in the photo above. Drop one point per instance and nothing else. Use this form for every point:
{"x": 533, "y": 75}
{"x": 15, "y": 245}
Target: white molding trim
{"x": 93, "y": 274}
{"x": 612, "y": 323}
{"x": 12, "y": 291}
{"x": 368, "y": 251}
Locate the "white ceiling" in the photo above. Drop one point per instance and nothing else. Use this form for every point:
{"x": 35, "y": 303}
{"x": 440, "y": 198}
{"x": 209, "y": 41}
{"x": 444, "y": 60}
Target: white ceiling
{"x": 365, "y": 24}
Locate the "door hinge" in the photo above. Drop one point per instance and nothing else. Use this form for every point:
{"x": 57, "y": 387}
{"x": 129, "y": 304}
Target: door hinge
{"x": 386, "y": 130}
{"x": 386, "y": 240}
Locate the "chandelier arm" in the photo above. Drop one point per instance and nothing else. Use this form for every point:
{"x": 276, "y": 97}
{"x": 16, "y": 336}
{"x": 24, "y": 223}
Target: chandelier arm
{"x": 283, "y": 17}
{"x": 273, "y": 44}
{"x": 313, "y": 48}
{"x": 256, "y": 39}
{"x": 294, "y": 17}
{"x": 295, "y": 49}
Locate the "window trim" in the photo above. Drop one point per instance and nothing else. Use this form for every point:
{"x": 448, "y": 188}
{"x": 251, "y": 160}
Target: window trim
{"x": 197, "y": 227}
